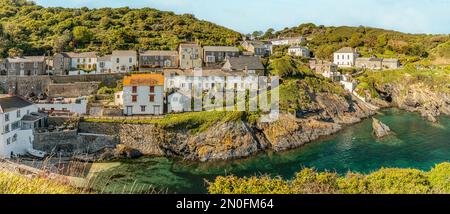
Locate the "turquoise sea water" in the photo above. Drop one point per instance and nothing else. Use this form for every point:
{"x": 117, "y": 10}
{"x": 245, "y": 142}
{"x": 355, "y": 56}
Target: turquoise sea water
{"x": 415, "y": 144}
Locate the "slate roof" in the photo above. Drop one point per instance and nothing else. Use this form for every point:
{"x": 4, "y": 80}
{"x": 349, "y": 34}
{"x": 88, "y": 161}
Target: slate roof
{"x": 124, "y": 53}
{"x": 104, "y": 58}
{"x": 27, "y": 59}
{"x": 159, "y": 53}
{"x": 221, "y": 48}
{"x": 205, "y": 72}
{"x": 346, "y": 50}
{"x": 80, "y": 54}
{"x": 249, "y": 62}
{"x": 10, "y": 103}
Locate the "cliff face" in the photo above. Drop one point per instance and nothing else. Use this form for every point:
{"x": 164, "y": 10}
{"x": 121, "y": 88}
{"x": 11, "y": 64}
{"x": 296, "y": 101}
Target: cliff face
{"x": 417, "y": 98}
{"x": 238, "y": 138}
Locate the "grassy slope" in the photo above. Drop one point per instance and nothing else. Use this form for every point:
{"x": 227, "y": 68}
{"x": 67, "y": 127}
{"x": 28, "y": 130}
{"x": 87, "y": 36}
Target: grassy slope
{"x": 193, "y": 121}
{"x": 437, "y": 80}
{"x": 18, "y": 184}
{"x": 307, "y": 181}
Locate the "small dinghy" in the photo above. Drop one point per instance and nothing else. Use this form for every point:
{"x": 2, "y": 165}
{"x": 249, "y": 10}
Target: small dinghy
{"x": 36, "y": 153}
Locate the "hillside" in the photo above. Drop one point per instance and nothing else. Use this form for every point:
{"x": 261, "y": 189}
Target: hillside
{"x": 31, "y": 29}
{"x": 323, "y": 41}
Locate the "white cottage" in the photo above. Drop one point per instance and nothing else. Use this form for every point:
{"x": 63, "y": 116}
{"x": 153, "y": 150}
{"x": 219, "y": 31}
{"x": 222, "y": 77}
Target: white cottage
{"x": 143, "y": 94}
{"x": 18, "y": 118}
{"x": 345, "y": 57}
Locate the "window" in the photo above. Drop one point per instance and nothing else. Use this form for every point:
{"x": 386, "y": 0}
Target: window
{"x": 15, "y": 125}
{"x": 6, "y": 117}
{"x": 18, "y": 113}
{"x": 337, "y": 56}
{"x": 130, "y": 60}
{"x": 8, "y": 141}
{"x": 117, "y": 60}
{"x": 152, "y": 89}
{"x": 142, "y": 108}
{"x": 133, "y": 98}
{"x": 14, "y": 138}
{"x": 348, "y": 56}
{"x": 134, "y": 89}
{"x": 152, "y": 98}
{"x": 6, "y": 129}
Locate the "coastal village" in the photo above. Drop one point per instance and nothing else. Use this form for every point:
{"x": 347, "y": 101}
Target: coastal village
{"x": 154, "y": 83}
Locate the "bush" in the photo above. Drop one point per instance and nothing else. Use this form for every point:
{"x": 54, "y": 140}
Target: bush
{"x": 439, "y": 178}
{"x": 18, "y": 184}
{"x": 309, "y": 181}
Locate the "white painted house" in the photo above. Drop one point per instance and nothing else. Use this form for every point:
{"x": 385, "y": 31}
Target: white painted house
{"x": 143, "y": 94}
{"x": 124, "y": 61}
{"x": 345, "y": 57}
{"x": 299, "y": 51}
{"x": 18, "y": 118}
{"x": 78, "y": 106}
{"x": 288, "y": 41}
{"x": 104, "y": 65}
{"x": 85, "y": 61}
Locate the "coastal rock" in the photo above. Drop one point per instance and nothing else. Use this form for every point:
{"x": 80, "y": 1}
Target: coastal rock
{"x": 430, "y": 103}
{"x": 380, "y": 129}
{"x": 237, "y": 138}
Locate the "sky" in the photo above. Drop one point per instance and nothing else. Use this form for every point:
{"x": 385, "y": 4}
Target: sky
{"x": 245, "y": 16}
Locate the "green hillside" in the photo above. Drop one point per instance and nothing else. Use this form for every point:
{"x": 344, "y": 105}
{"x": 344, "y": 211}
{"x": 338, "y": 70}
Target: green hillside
{"x": 323, "y": 41}
{"x": 31, "y": 29}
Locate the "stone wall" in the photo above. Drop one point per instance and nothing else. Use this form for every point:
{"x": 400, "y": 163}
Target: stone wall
{"x": 76, "y": 89}
{"x": 99, "y": 128}
{"x": 69, "y": 143}
{"x": 22, "y": 85}
{"x": 147, "y": 138}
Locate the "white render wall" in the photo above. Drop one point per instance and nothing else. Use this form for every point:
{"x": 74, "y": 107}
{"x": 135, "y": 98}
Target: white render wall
{"x": 83, "y": 61}
{"x": 24, "y": 137}
{"x": 79, "y": 108}
{"x": 122, "y": 64}
{"x": 344, "y": 60}
{"x": 143, "y": 94}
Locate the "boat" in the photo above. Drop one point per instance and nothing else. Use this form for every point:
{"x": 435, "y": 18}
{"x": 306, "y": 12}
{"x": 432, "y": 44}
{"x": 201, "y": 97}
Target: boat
{"x": 36, "y": 153}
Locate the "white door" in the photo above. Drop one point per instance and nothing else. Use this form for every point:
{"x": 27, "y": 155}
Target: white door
{"x": 129, "y": 110}
{"x": 156, "y": 110}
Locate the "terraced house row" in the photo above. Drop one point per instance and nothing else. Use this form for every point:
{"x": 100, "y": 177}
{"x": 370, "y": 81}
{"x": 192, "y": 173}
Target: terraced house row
{"x": 188, "y": 56}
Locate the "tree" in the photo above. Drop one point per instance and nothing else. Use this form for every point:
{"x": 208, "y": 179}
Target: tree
{"x": 61, "y": 43}
{"x": 82, "y": 35}
{"x": 15, "y": 52}
{"x": 269, "y": 33}
{"x": 257, "y": 34}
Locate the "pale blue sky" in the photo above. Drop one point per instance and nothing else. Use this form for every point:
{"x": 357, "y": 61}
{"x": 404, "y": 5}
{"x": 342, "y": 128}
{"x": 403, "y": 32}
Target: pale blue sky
{"x": 411, "y": 16}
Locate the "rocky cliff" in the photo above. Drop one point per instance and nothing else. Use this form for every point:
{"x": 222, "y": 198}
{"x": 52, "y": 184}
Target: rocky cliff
{"x": 238, "y": 138}
{"x": 418, "y": 97}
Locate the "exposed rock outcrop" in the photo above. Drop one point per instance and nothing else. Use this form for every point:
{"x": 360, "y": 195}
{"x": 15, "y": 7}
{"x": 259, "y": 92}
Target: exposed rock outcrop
{"x": 418, "y": 98}
{"x": 238, "y": 138}
{"x": 380, "y": 129}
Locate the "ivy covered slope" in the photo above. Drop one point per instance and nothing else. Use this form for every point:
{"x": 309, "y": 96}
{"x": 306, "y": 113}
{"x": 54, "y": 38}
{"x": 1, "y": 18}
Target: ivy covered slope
{"x": 323, "y": 41}
{"x": 309, "y": 181}
{"x": 32, "y": 29}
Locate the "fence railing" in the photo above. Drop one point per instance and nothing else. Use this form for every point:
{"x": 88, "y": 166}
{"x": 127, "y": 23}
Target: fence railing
{"x": 149, "y": 117}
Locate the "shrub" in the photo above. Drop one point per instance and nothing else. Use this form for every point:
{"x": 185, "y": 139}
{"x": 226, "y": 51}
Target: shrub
{"x": 18, "y": 184}
{"x": 307, "y": 181}
{"x": 439, "y": 178}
